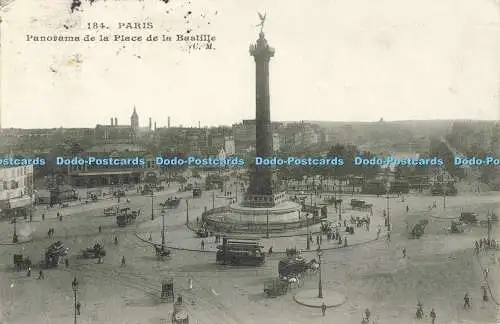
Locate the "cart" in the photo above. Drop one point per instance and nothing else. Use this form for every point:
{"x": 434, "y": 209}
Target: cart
{"x": 276, "y": 287}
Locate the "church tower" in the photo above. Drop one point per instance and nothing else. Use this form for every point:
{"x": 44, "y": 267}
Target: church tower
{"x": 134, "y": 121}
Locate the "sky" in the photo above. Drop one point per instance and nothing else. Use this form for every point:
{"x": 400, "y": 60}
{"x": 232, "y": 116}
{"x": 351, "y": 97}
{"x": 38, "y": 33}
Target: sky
{"x": 338, "y": 60}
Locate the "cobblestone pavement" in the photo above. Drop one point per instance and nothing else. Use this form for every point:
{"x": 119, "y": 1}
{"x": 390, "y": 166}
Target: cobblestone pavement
{"x": 439, "y": 269}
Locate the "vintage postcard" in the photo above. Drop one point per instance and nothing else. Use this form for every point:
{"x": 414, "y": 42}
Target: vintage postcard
{"x": 270, "y": 162}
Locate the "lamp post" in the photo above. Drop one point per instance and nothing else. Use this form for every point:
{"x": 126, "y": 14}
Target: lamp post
{"x": 187, "y": 211}
{"x": 320, "y": 283}
{"x": 163, "y": 228}
{"x": 74, "y": 286}
{"x": 152, "y": 206}
{"x": 267, "y": 224}
{"x": 445, "y": 187}
{"x": 308, "y": 246}
{"x": 489, "y": 226}
{"x": 213, "y": 199}
{"x": 387, "y": 190}
{"x": 15, "y": 239}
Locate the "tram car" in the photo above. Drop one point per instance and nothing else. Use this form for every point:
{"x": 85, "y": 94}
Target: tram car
{"x": 167, "y": 290}
{"x": 240, "y": 251}
{"x": 21, "y": 262}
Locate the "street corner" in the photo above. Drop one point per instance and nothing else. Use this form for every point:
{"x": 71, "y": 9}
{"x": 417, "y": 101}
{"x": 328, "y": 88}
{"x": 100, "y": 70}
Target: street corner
{"x": 309, "y": 298}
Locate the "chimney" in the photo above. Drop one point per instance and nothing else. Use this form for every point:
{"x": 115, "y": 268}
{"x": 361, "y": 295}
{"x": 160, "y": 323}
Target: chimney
{"x": 155, "y": 125}
{"x": 116, "y": 121}
{"x": 168, "y": 122}
{"x": 150, "y": 123}
{"x": 111, "y": 121}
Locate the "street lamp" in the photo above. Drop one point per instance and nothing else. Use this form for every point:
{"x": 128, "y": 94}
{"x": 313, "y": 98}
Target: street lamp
{"x": 308, "y": 247}
{"x": 387, "y": 190}
{"x": 15, "y": 239}
{"x": 74, "y": 286}
{"x": 187, "y": 212}
{"x": 267, "y": 223}
{"x": 163, "y": 228}
{"x": 320, "y": 283}
{"x": 152, "y": 206}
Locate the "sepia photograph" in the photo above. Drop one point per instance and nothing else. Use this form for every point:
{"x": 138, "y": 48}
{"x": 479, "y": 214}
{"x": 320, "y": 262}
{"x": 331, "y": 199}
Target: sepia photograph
{"x": 253, "y": 162}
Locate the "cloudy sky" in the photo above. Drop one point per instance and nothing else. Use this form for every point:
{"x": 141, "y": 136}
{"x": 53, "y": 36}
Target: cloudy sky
{"x": 347, "y": 60}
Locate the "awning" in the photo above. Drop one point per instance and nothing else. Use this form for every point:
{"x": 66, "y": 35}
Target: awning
{"x": 20, "y": 202}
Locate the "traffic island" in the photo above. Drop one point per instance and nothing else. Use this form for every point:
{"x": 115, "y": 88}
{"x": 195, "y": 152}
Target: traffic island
{"x": 309, "y": 298}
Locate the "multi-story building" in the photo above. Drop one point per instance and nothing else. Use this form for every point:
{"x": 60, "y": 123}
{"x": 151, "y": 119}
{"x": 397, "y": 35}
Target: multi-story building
{"x": 276, "y": 142}
{"x": 229, "y": 145}
{"x": 300, "y": 135}
{"x": 16, "y": 190}
{"x": 94, "y": 176}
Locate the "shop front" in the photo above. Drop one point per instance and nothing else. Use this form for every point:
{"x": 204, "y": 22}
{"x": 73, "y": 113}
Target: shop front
{"x": 17, "y": 207}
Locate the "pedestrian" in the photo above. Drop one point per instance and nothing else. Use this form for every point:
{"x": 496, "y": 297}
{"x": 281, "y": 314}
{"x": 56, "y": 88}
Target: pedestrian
{"x": 433, "y": 316}
{"x": 123, "y": 261}
{"x": 116, "y": 240}
{"x": 367, "y": 314}
{"x": 323, "y": 309}
{"x": 190, "y": 283}
{"x": 202, "y": 245}
{"x": 270, "y": 250}
{"x": 78, "y": 307}
{"x": 485, "y": 272}
{"x": 43, "y": 216}
{"x": 485, "y": 293}
{"x": 407, "y": 209}
{"x": 28, "y": 274}
{"x": 467, "y": 304}
{"x": 66, "y": 262}
{"x": 40, "y": 275}
{"x": 100, "y": 228}
{"x": 345, "y": 241}
{"x": 404, "y": 252}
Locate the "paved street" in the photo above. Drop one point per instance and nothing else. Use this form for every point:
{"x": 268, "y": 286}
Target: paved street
{"x": 439, "y": 269}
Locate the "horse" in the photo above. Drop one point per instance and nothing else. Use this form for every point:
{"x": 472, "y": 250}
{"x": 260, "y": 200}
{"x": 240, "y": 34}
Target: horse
{"x": 293, "y": 282}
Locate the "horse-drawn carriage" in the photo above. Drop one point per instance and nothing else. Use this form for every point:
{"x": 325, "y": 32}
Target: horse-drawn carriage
{"x": 293, "y": 264}
{"x": 167, "y": 290}
{"x": 456, "y": 227}
{"x": 357, "y": 204}
{"x": 21, "y": 262}
{"x": 202, "y": 232}
{"x": 468, "y": 218}
{"x": 54, "y": 254}
{"x": 276, "y": 287}
{"x": 180, "y": 314}
{"x": 111, "y": 211}
{"x": 418, "y": 229}
{"x": 161, "y": 251}
{"x": 94, "y": 252}
{"x": 171, "y": 203}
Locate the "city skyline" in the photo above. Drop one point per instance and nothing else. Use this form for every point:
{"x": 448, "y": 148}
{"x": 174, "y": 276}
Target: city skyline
{"x": 396, "y": 61}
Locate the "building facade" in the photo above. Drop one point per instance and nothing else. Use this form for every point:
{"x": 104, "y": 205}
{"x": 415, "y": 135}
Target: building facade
{"x": 16, "y": 190}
